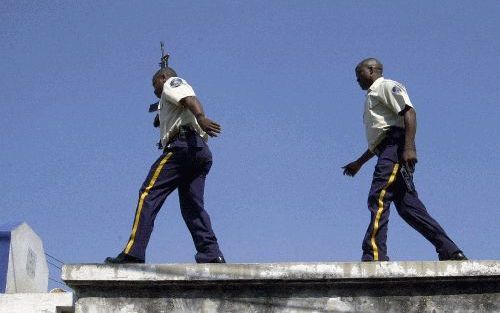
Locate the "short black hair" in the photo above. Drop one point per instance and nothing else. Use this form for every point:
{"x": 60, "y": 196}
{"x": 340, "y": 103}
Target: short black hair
{"x": 165, "y": 71}
{"x": 371, "y": 63}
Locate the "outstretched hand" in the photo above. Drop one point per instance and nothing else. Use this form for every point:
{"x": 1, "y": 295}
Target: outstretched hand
{"x": 210, "y": 127}
{"x": 352, "y": 168}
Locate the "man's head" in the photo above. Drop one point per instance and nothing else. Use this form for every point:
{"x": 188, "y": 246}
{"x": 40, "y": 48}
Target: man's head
{"x": 367, "y": 71}
{"x": 160, "y": 77}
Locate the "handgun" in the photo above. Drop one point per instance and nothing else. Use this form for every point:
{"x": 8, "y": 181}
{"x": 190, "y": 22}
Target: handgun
{"x": 407, "y": 175}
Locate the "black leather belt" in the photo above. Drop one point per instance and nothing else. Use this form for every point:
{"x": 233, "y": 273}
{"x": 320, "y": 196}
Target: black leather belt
{"x": 392, "y": 135}
{"x": 184, "y": 132}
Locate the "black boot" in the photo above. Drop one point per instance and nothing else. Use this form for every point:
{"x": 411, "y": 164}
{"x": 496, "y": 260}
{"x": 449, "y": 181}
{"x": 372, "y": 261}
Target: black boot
{"x": 457, "y": 256}
{"x": 219, "y": 259}
{"x": 123, "y": 258}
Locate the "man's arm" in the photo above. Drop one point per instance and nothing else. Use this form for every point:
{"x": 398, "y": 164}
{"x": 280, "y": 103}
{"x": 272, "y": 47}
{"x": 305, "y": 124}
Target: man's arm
{"x": 352, "y": 168}
{"x": 194, "y": 105}
{"x": 410, "y": 151}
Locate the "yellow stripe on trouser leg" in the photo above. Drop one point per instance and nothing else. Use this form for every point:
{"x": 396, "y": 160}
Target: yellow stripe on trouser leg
{"x": 380, "y": 210}
{"x": 141, "y": 200}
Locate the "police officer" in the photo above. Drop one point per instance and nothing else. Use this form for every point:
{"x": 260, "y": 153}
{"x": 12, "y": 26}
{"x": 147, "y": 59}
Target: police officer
{"x": 184, "y": 164}
{"x": 390, "y": 123}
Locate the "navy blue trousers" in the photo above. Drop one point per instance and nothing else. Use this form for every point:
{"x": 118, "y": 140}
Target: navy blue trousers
{"x": 184, "y": 165}
{"x": 388, "y": 186}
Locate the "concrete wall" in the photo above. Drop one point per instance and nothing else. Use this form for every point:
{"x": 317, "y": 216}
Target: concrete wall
{"x": 36, "y": 303}
{"x": 470, "y": 286}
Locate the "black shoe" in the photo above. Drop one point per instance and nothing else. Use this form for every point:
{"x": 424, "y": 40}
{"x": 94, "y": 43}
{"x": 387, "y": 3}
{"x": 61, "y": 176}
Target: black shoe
{"x": 123, "y": 258}
{"x": 219, "y": 259}
{"x": 457, "y": 256}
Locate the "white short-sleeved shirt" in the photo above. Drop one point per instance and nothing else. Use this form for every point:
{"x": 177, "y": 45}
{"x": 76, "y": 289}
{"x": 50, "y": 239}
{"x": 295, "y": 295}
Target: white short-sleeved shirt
{"x": 173, "y": 114}
{"x": 384, "y": 102}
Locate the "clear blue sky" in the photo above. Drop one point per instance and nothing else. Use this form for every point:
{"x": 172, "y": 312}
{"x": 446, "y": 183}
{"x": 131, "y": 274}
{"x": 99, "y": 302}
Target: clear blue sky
{"x": 76, "y": 140}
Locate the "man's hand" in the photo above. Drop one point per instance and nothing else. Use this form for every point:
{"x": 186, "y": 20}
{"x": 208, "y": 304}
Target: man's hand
{"x": 410, "y": 152}
{"x": 209, "y": 126}
{"x": 352, "y": 168}
{"x": 194, "y": 105}
{"x": 410, "y": 158}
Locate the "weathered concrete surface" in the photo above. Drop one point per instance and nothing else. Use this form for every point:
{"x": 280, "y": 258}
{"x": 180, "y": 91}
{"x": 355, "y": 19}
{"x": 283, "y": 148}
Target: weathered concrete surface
{"x": 37, "y": 303}
{"x": 23, "y": 267}
{"x": 469, "y": 286}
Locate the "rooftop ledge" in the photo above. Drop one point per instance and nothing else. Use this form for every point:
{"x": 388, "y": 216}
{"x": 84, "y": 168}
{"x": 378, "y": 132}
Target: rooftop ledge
{"x": 101, "y": 274}
{"x": 389, "y": 287}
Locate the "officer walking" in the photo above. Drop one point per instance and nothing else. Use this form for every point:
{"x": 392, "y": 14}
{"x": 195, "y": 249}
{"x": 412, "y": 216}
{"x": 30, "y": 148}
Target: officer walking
{"x": 390, "y": 123}
{"x": 184, "y": 164}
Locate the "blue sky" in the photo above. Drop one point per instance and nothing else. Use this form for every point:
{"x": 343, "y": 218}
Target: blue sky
{"x": 77, "y": 141}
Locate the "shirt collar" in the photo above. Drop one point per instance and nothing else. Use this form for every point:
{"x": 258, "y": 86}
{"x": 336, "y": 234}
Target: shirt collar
{"x": 376, "y": 83}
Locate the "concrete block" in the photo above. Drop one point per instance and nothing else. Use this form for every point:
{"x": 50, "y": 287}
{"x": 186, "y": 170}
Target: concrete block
{"x": 23, "y": 266}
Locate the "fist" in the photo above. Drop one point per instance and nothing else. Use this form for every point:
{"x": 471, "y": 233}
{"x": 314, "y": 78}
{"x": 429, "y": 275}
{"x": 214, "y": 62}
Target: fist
{"x": 352, "y": 168}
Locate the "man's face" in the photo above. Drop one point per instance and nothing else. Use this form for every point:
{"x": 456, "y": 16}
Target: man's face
{"x": 158, "y": 83}
{"x": 364, "y": 77}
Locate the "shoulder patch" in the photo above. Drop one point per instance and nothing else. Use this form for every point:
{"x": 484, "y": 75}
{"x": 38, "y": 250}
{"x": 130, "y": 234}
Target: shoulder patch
{"x": 176, "y": 82}
{"x": 396, "y": 90}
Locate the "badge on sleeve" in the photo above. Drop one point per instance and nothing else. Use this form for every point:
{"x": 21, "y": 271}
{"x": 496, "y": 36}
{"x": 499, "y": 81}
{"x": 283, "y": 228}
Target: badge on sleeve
{"x": 396, "y": 90}
{"x": 176, "y": 82}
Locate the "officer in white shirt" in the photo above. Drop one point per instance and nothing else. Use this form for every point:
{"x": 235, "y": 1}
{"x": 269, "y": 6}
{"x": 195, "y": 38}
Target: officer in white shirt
{"x": 184, "y": 164}
{"x": 390, "y": 126}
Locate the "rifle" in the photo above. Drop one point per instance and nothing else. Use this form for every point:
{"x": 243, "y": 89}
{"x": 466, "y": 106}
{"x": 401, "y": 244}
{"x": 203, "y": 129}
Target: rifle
{"x": 163, "y": 64}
